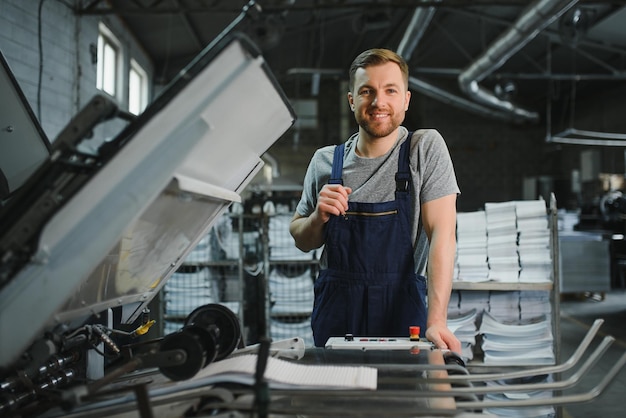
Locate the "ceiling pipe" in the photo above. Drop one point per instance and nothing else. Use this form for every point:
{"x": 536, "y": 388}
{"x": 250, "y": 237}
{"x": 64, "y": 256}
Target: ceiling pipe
{"x": 446, "y": 97}
{"x": 420, "y": 20}
{"x": 533, "y": 20}
{"x": 493, "y": 107}
{"x": 415, "y": 30}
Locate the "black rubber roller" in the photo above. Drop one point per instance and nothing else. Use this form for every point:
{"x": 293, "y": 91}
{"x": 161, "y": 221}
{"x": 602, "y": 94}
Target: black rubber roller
{"x": 220, "y": 322}
{"x": 199, "y": 346}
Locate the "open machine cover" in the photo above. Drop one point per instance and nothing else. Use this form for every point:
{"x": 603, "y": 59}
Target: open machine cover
{"x": 23, "y": 143}
{"x": 167, "y": 177}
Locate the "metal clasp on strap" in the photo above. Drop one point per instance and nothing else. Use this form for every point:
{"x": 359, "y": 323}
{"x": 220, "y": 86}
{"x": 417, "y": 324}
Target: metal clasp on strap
{"x": 402, "y": 183}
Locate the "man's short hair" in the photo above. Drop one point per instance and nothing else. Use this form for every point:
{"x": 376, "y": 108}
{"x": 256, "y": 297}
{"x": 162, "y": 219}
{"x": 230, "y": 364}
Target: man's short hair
{"x": 378, "y": 56}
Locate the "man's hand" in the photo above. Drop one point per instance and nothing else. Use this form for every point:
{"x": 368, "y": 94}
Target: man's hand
{"x": 443, "y": 338}
{"x": 307, "y": 231}
{"x": 332, "y": 200}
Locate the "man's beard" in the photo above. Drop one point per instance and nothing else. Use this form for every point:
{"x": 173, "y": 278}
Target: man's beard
{"x": 377, "y": 130}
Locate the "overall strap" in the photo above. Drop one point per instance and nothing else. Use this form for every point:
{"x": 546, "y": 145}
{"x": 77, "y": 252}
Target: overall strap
{"x": 403, "y": 176}
{"x": 335, "y": 175}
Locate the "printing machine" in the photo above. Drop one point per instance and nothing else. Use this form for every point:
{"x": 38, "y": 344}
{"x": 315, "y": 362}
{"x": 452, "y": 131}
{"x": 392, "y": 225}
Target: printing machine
{"x": 84, "y": 236}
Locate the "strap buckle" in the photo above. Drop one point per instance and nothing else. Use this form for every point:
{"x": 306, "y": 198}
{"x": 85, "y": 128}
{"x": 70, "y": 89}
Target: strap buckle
{"x": 402, "y": 182}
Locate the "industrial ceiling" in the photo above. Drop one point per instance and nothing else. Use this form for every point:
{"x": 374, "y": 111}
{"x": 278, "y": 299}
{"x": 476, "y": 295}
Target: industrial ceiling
{"x": 500, "y": 59}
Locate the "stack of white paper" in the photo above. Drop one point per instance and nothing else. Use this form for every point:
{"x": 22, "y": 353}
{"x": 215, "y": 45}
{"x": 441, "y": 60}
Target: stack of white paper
{"x": 281, "y": 243}
{"x": 504, "y": 306}
{"x": 502, "y": 242}
{"x": 535, "y": 304}
{"x": 471, "y": 255}
{"x": 464, "y": 328}
{"x": 537, "y": 411}
{"x": 454, "y": 304}
{"x": 468, "y": 300}
{"x": 186, "y": 291}
{"x": 201, "y": 252}
{"x": 291, "y": 295}
{"x": 517, "y": 343}
{"x": 289, "y": 375}
{"x": 221, "y": 243}
{"x": 534, "y": 241}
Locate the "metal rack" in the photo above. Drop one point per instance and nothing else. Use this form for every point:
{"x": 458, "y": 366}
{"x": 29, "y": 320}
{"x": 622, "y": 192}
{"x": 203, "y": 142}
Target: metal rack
{"x": 552, "y": 287}
{"x": 244, "y": 275}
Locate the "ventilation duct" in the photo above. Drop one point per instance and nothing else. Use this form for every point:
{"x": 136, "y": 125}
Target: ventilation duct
{"x": 420, "y": 20}
{"x": 446, "y": 97}
{"x": 532, "y": 21}
{"x": 415, "y": 30}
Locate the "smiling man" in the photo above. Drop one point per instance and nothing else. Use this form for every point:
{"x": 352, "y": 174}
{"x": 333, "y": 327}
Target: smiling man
{"x": 383, "y": 205}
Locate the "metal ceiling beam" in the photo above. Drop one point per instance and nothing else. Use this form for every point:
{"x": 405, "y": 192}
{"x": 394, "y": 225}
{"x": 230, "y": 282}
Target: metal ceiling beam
{"x": 532, "y": 21}
{"x": 451, "y": 99}
{"x": 125, "y": 7}
{"x": 556, "y": 38}
{"x": 415, "y": 30}
{"x": 191, "y": 29}
{"x": 454, "y": 72}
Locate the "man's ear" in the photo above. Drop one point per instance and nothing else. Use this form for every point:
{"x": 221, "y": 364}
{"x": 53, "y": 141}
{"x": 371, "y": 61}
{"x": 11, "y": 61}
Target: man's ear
{"x": 351, "y": 101}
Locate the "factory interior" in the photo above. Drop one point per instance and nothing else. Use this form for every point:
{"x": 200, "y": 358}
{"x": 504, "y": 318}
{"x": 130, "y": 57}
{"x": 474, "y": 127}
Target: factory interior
{"x": 152, "y": 156}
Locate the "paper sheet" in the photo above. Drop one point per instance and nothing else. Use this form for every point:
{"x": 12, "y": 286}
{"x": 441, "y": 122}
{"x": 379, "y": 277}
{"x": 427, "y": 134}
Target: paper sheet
{"x": 289, "y": 375}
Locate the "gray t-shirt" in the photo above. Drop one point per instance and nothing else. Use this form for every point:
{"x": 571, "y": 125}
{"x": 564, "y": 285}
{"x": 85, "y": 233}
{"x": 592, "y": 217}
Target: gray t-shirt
{"x": 373, "y": 179}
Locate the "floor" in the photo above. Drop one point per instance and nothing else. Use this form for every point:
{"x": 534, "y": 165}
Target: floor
{"x": 578, "y": 313}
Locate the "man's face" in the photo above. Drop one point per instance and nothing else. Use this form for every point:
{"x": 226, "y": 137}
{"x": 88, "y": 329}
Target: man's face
{"x": 379, "y": 99}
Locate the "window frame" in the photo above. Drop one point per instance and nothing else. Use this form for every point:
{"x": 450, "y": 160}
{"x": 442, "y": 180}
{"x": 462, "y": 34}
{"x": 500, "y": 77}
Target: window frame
{"x": 107, "y": 41}
{"x": 142, "y": 76}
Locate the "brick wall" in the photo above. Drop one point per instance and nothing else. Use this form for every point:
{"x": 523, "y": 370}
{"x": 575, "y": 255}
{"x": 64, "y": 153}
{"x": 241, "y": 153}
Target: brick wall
{"x": 63, "y": 62}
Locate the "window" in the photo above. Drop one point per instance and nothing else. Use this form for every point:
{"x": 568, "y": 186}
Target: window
{"x": 137, "y": 88}
{"x": 109, "y": 62}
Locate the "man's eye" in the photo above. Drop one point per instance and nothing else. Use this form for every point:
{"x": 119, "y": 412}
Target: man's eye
{"x": 365, "y": 92}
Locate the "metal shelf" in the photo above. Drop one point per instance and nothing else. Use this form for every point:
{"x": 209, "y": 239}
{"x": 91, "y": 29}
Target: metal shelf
{"x": 551, "y": 287}
{"x": 500, "y": 286}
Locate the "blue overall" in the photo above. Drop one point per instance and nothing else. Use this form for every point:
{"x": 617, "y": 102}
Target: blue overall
{"x": 370, "y": 287}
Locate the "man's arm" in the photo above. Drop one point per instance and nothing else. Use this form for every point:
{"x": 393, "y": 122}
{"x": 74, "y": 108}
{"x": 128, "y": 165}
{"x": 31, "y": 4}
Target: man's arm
{"x": 308, "y": 231}
{"x": 439, "y": 220}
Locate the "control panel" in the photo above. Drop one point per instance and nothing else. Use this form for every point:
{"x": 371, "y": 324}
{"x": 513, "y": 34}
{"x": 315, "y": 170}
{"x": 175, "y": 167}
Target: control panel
{"x": 350, "y": 342}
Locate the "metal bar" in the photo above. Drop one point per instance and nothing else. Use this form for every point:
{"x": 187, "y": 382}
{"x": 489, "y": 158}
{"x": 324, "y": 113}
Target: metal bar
{"x": 571, "y": 362}
{"x": 587, "y": 141}
{"x": 562, "y": 384}
{"x": 297, "y": 399}
{"x": 595, "y": 134}
{"x": 296, "y": 6}
{"x": 143, "y": 402}
{"x": 554, "y": 401}
{"x": 610, "y": 139}
{"x": 540, "y": 76}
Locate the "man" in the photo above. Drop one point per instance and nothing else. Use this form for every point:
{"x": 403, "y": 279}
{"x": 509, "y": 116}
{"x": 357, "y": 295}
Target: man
{"x": 384, "y": 207}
